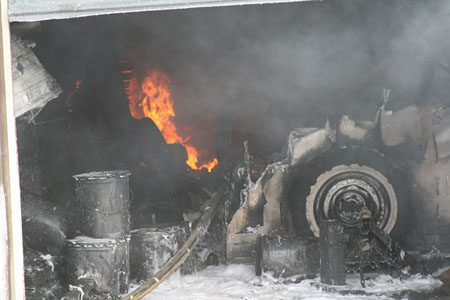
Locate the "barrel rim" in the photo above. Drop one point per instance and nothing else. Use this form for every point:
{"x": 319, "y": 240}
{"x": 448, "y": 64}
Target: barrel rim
{"x": 90, "y": 242}
{"x": 87, "y": 239}
{"x": 101, "y": 175}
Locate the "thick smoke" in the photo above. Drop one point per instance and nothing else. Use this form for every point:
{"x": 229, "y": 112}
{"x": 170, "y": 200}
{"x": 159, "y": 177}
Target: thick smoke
{"x": 281, "y": 66}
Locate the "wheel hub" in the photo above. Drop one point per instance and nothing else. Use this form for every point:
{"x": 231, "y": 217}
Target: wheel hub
{"x": 341, "y": 193}
{"x": 344, "y": 198}
{"x": 348, "y": 206}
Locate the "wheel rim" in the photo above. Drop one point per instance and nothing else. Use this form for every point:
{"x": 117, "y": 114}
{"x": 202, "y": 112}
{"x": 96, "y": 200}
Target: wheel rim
{"x": 343, "y": 191}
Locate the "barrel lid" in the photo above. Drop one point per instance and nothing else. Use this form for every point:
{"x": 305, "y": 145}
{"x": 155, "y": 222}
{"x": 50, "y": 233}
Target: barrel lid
{"x": 101, "y": 175}
{"x": 165, "y": 228}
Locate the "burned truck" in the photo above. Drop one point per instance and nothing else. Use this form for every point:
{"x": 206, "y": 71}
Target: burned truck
{"x": 384, "y": 183}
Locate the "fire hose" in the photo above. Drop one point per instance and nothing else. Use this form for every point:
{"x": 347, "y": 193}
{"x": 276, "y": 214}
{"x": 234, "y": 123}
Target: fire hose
{"x": 184, "y": 252}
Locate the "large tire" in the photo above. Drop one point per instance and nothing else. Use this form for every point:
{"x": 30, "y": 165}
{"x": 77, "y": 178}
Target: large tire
{"x": 338, "y": 183}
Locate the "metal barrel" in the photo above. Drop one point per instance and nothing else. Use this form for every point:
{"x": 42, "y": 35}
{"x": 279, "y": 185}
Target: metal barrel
{"x": 103, "y": 204}
{"x": 151, "y": 248}
{"x": 98, "y": 265}
{"x": 287, "y": 256}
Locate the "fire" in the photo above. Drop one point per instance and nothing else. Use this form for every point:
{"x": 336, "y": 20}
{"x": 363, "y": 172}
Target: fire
{"x": 152, "y": 99}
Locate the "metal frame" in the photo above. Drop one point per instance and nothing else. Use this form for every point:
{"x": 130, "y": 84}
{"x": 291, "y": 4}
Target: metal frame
{"x": 12, "y": 266}
{"x": 11, "y": 260}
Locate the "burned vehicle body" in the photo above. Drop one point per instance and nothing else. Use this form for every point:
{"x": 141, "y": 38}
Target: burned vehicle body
{"x": 396, "y": 173}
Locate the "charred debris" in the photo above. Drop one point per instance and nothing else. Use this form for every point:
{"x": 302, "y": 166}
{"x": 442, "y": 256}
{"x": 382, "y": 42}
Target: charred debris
{"x": 331, "y": 207}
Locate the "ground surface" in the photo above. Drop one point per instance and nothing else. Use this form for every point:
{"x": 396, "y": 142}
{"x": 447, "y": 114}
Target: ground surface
{"x": 240, "y": 282}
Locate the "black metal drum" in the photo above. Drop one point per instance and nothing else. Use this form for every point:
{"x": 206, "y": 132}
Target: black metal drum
{"x": 151, "y": 248}
{"x": 103, "y": 204}
{"x": 287, "y": 256}
{"x": 98, "y": 265}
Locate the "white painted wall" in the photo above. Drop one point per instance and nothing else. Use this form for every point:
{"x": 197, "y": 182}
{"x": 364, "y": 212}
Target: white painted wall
{"x": 4, "y": 293}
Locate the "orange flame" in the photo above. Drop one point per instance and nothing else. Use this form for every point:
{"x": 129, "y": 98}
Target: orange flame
{"x": 152, "y": 100}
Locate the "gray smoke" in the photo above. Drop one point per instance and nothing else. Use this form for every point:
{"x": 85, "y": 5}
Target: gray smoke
{"x": 290, "y": 65}
{"x": 279, "y": 66}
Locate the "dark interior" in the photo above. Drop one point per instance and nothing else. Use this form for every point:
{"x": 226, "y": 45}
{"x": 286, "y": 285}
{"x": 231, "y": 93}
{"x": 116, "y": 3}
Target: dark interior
{"x": 263, "y": 70}
{"x": 277, "y": 66}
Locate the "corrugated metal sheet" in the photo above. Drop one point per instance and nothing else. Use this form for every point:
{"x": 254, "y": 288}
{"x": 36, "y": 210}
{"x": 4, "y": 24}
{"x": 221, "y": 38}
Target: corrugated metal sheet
{"x": 33, "y": 86}
{"x": 39, "y": 10}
